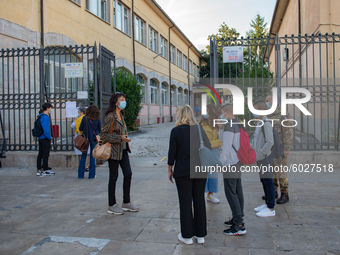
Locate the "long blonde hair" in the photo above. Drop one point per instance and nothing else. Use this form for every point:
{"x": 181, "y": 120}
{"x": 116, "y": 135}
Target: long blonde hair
{"x": 185, "y": 116}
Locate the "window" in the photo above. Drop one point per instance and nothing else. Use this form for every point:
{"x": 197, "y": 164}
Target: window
{"x": 190, "y": 66}
{"x": 153, "y": 40}
{"x": 194, "y": 70}
{"x": 172, "y": 54}
{"x": 185, "y": 97}
{"x": 179, "y": 97}
{"x": 164, "y": 94}
{"x": 98, "y": 8}
{"x": 185, "y": 63}
{"x": 140, "y": 30}
{"x": 179, "y": 59}
{"x": 76, "y": 1}
{"x": 153, "y": 88}
{"x": 198, "y": 72}
{"x": 121, "y": 17}
{"x": 141, "y": 82}
{"x": 164, "y": 47}
{"x": 173, "y": 96}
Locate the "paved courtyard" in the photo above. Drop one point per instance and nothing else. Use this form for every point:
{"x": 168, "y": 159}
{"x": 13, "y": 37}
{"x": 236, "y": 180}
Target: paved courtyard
{"x": 64, "y": 215}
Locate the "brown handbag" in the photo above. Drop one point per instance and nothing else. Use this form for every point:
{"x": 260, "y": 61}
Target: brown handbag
{"x": 103, "y": 152}
{"x": 81, "y": 143}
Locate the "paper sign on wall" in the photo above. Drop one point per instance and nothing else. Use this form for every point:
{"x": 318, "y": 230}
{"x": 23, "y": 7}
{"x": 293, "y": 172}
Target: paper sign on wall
{"x": 73, "y": 70}
{"x": 71, "y": 110}
{"x": 232, "y": 54}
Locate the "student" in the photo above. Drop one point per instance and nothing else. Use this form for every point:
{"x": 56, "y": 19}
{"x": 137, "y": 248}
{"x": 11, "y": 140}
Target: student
{"x": 230, "y": 135}
{"x": 76, "y": 125}
{"x": 91, "y": 127}
{"x": 45, "y": 141}
{"x": 263, "y": 142}
{"x": 114, "y": 131}
{"x": 212, "y": 132}
{"x": 183, "y": 153}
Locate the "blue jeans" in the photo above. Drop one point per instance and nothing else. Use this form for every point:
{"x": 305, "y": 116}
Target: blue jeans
{"x": 267, "y": 181}
{"x": 212, "y": 180}
{"x": 92, "y": 169}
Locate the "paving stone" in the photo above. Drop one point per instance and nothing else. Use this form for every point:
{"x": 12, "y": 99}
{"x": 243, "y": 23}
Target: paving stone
{"x": 15, "y": 243}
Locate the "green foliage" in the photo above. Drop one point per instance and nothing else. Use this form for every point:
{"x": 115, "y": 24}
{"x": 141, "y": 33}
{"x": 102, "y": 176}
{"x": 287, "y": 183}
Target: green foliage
{"x": 127, "y": 83}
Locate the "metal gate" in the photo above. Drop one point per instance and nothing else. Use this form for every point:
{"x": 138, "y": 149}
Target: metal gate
{"x": 311, "y": 62}
{"x": 107, "y": 64}
{"x": 31, "y": 76}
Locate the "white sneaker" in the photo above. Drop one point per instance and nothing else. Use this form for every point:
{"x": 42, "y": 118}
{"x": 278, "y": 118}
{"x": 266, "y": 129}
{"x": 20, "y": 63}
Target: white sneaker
{"x": 260, "y": 208}
{"x": 200, "y": 240}
{"x": 184, "y": 240}
{"x": 266, "y": 213}
{"x": 213, "y": 199}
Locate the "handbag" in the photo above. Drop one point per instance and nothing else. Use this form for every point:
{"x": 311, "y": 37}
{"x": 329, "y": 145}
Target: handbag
{"x": 207, "y": 157}
{"x": 102, "y": 151}
{"x": 81, "y": 143}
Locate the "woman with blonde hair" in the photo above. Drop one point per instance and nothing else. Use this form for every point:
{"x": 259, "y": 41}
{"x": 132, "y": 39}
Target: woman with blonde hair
{"x": 207, "y": 121}
{"x": 183, "y": 152}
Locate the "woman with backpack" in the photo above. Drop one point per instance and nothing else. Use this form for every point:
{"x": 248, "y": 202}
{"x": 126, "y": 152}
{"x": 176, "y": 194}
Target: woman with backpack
{"x": 91, "y": 127}
{"x": 212, "y": 132}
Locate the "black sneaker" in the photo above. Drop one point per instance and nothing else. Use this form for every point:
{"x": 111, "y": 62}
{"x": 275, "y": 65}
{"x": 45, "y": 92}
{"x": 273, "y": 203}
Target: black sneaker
{"x": 229, "y": 222}
{"x": 49, "y": 168}
{"x": 235, "y": 230}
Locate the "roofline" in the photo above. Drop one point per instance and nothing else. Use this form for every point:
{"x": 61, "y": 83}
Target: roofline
{"x": 153, "y": 2}
{"x": 279, "y": 12}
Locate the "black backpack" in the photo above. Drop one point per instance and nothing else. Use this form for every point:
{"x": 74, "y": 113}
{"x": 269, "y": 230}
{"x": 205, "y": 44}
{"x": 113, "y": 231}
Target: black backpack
{"x": 38, "y": 130}
{"x": 278, "y": 148}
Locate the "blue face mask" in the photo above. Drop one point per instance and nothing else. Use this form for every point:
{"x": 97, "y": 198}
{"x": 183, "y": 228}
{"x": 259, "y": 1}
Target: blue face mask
{"x": 206, "y": 116}
{"x": 78, "y": 115}
{"x": 122, "y": 105}
{"x": 256, "y": 116}
{"x": 268, "y": 105}
{"x": 50, "y": 111}
{"x": 222, "y": 117}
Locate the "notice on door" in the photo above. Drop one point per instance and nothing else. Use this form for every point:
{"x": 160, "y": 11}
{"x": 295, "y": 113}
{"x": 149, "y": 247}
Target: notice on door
{"x": 73, "y": 70}
{"x": 232, "y": 54}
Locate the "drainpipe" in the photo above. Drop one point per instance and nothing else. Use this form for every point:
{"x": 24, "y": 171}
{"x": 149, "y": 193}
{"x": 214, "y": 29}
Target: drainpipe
{"x": 170, "y": 105}
{"x": 133, "y": 39}
{"x": 189, "y": 73}
{"x": 42, "y": 22}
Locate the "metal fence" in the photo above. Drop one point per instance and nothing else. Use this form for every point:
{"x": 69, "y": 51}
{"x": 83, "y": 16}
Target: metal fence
{"x": 309, "y": 61}
{"x": 31, "y": 76}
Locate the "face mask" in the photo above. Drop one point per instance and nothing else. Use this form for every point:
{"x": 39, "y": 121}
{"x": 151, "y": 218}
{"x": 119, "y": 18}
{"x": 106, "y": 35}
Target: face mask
{"x": 122, "y": 105}
{"x": 222, "y": 117}
{"x": 50, "y": 111}
{"x": 205, "y": 116}
{"x": 268, "y": 105}
{"x": 78, "y": 115}
{"x": 256, "y": 116}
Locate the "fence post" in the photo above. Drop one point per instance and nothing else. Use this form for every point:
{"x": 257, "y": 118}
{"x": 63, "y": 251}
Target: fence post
{"x": 41, "y": 74}
{"x": 95, "y": 74}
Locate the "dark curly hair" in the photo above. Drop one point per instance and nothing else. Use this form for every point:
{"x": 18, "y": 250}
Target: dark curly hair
{"x": 92, "y": 112}
{"x": 113, "y": 101}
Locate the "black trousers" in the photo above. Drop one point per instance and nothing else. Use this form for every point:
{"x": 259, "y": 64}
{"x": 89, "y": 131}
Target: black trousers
{"x": 44, "y": 153}
{"x": 192, "y": 191}
{"x": 234, "y": 194}
{"x": 126, "y": 168}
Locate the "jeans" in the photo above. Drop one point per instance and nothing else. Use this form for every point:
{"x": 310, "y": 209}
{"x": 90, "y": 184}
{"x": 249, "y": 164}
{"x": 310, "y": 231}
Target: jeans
{"x": 126, "y": 168}
{"x": 44, "y": 153}
{"x": 212, "y": 181}
{"x": 234, "y": 194}
{"x": 192, "y": 191}
{"x": 92, "y": 169}
{"x": 267, "y": 181}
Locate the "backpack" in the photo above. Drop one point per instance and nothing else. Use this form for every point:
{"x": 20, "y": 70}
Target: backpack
{"x": 245, "y": 154}
{"x": 278, "y": 148}
{"x": 38, "y": 130}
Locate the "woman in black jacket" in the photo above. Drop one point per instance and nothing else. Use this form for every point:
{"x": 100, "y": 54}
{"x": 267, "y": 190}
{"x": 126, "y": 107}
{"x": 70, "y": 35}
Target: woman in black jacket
{"x": 183, "y": 151}
{"x": 91, "y": 127}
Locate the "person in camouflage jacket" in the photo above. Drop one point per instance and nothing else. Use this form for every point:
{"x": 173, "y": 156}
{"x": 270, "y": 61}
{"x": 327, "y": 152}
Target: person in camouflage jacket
{"x": 286, "y": 138}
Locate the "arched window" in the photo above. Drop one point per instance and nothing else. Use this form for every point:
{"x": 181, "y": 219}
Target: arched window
{"x": 154, "y": 92}
{"x": 173, "y": 95}
{"x": 185, "y": 97}
{"x": 164, "y": 94}
{"x": 179, "y": 97}
{"x": 141, "y": 82}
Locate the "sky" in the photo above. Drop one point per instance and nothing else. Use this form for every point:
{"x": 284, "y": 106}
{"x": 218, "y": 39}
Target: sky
{"x": 199, "y": 18}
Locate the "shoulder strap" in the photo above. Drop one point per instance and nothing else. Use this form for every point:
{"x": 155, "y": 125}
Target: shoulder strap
{"x": 199, "y": 132}
{"x": 113, "y": 120}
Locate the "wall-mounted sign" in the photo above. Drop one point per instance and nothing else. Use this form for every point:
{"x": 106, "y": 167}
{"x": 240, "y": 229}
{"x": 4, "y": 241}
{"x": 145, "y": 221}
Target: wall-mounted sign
{"x": 82, "y": 95}
{"x": 232, "y": 54}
